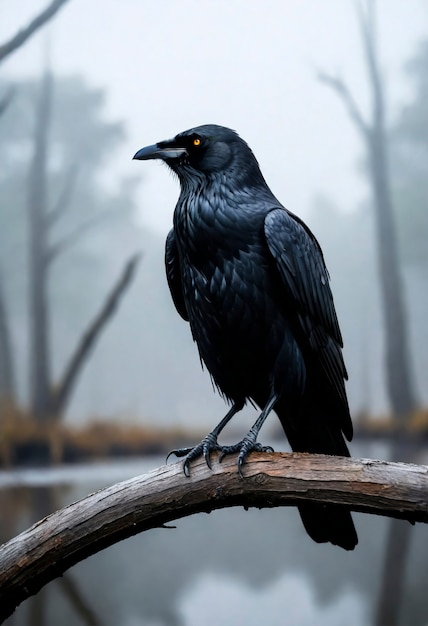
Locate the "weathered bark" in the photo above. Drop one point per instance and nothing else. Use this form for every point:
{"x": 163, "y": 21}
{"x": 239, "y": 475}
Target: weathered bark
{"x": 50, "y": 547}
{"x": 25, "y": 33}
{"x": 38, "y": 304}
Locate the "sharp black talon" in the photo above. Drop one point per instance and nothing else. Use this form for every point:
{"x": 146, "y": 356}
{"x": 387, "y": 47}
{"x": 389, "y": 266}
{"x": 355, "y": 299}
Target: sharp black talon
{"x": 209, "y": 444}
{"x": 167, "y": 456}
{"x": 186, "y": 469}
{"x": 179, "y": 453}
{"x": 208, "y": 458}
{"x": 240, "y": 464}
{"x": 204, "y": 448}
{"x": 241, "y": 460}
{"x": 244, "y": 447}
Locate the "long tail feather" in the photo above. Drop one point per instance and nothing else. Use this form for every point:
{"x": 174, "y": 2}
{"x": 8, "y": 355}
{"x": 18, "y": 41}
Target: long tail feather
{"x": 323, "y": 523}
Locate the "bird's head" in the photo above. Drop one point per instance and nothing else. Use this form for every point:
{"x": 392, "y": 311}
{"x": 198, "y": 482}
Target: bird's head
{"x": 205, "y": 151}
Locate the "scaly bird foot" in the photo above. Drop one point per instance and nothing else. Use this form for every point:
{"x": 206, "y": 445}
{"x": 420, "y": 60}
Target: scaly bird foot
{"x": 244, "y": 447}
{"x": 205, "y": 448}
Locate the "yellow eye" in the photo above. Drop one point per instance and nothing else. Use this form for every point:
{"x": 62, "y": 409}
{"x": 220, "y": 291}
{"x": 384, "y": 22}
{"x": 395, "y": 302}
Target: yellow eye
{"x": 196, "y": 141}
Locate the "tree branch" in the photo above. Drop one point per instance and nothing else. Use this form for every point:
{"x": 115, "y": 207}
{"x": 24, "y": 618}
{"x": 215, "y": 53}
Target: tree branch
{"x": 61, "y": 394}
{"x": 340, "y": 87}
{"x": 71, "y": 238}
{"x": 25, "y": 33}
{"x": 51, "y": 546}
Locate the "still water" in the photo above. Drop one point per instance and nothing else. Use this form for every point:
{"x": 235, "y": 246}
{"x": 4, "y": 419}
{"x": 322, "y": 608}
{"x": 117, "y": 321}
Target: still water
{"x": 228, "y": 568}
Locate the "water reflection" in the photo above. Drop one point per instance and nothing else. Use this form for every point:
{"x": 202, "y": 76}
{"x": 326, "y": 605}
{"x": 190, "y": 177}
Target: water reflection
{"x": 229, "y": 568}
{"x": 288, "y": 600}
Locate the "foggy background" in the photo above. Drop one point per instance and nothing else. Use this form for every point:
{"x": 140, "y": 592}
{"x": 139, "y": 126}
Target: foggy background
{"x": 159, "y": 68}
{"x": 77, "y": 100}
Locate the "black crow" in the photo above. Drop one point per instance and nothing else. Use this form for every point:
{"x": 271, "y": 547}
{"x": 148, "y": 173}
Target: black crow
{"x": 249, "y": 276}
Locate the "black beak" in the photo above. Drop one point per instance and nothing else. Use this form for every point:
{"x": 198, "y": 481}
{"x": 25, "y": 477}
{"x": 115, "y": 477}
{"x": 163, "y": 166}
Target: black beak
{"x": 161, "y": 151}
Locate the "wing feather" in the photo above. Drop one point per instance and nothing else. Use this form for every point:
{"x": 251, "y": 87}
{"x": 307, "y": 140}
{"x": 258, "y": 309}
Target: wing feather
{"x": 173, "y": 274}
{"x": 300, "y": 262}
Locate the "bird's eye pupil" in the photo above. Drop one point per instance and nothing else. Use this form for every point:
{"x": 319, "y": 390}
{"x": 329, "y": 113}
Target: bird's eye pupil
{"x": 196, "y": 141}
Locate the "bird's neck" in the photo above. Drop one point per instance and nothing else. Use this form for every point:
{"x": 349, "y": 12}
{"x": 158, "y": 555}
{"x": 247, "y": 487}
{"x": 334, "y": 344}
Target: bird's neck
{"x": 217, "y": 216}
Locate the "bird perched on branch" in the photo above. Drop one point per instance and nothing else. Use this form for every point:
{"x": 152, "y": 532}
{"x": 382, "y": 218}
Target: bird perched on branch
{"x": 250, "y": 278}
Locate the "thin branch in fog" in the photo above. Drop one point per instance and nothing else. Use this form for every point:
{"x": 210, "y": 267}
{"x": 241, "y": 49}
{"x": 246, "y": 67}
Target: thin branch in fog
{"x": 61, "y": 394}
{"x": 64, "y": 197}
{"x": 338, "y": 85}
{"x": 71, "y": 238}
{"x": 25, "y": 33}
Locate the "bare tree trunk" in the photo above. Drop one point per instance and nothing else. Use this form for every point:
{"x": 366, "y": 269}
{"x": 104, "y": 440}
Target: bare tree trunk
{"x": 47, "y": 400}
{"x": 398, "y": 370}
{"x": 38, "y": 305}
{"x": 399, "y": 381}
{"x": 38, "y": 310}
{"x": 400, "y": 386}
{"x": 7, "y": 378}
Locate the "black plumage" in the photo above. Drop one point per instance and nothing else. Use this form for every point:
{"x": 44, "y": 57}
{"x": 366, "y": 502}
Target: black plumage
{"x": 250, "y": 278}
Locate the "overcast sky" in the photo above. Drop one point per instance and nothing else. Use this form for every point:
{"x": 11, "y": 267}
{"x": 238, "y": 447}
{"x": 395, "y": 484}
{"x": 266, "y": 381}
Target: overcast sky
{"x": 251, "y": 65}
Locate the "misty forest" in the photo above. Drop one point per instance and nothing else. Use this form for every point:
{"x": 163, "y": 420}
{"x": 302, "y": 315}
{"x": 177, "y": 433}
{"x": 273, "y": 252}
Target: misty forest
{"x": 99, "y": 376}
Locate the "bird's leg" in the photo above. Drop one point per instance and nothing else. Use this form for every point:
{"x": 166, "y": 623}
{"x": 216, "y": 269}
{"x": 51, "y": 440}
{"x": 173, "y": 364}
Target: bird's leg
{"x": 208, "y": 443}
{"x": 249, "y": 443}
